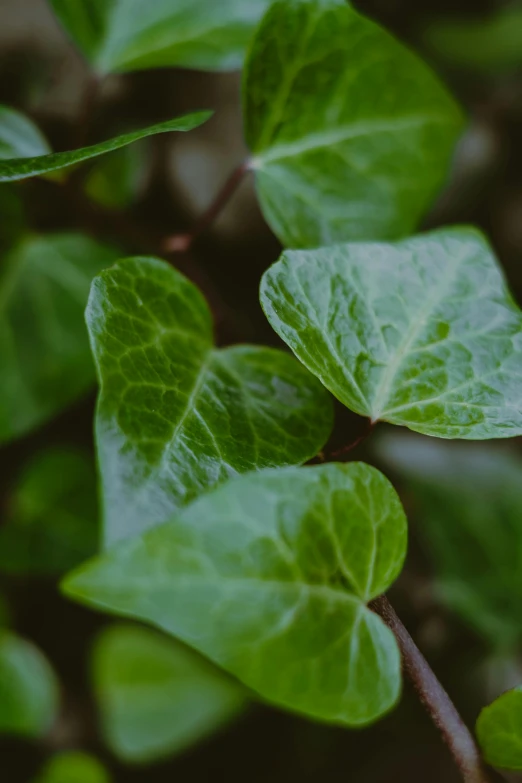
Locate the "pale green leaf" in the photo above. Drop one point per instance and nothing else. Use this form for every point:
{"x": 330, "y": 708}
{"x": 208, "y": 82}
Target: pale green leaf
{"x": 45, "y": 363}
{"x": 175, "y": 415}
{"x": 468, "y": 504}
{"x": 19, "y": 137}
{"x": 51, "y": 521}
{"x": 127, "y": 35}
{"x": 28, "y": 688}
{"x": 351, "y": 133}
{"x": 499, "y": 731}
{"x": 155, "y": 696}
{"x": 73, "y": 767}
{"x": 421, "y": 333}
{"x": 21, "y": 168}
{"x": 269, "y": 576}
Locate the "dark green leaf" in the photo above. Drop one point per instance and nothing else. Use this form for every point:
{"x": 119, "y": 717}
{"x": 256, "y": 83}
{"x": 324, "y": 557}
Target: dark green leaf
{"x": 21, "y": 168}
{"x": 352, "y": 134}
{"x": 73, "y": 767}
{"x": 421, "y": 333}
{"x": 116, "y": 179}
{"x": 19, "y": 137}
{"x": 499, "y": 731}
{"x": 269, "y": 576}
{"x": 51, "y": 522}
{"x": 157, "y": 697}
{"x": 175, "y": 415}
{"x": 45, "y": 362}
{"x": 126, "y": 35}
{"x": 28, "y": 688}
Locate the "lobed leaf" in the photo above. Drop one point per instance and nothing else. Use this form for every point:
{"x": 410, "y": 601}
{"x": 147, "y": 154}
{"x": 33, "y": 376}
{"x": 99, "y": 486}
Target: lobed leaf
{"x": 351, "y": 133}
{"x": 422, "y": 333}
{"x": 269, "y": 576}
{"x": 499, "y": 731}
{"x": 177, "y": 416}
{"x": 155, "y": 696}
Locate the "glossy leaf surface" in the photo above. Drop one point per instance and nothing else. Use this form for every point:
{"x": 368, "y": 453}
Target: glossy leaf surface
{"x": 422, "y": 333}
{"x": 45, "y": 362}
{"x": 24, "y": 167}
{"x": 499, "y": 731}
{"x": 351, "y": 133}
{"x": 269, "y": 576}
{"x": 176, "y": 416}
{"x": 19, "y": 137}
{"x": 155, "y": 696}
{"x": 127, "y": 35}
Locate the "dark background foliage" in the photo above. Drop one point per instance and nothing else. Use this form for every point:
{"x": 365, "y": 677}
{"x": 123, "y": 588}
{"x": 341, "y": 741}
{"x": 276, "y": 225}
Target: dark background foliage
{"x": 41, "y": 74}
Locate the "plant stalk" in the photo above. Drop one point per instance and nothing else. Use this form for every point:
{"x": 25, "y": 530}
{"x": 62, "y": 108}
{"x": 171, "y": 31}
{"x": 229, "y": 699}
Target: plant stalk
{"x": 438, "y": 704}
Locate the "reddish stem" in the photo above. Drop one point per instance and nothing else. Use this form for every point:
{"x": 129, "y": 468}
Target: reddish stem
{"x": 347, "y": 449}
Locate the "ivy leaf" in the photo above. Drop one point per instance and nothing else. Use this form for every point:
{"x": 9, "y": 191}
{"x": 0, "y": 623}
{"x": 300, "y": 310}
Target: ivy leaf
{"x": 269, "y": 576}
{"x": 45, "y": 363}
{"x": 157, "y": 697}
{"x": 499, "y": 731}
{"x": 352, "y": 134}
{"x": 175, "y": 415}
{"x": 468, "y": 499}
{"x": 28, "y": 688}
{"x": 19, "y": 137}
{"x": 421, "y": 333}
{"x": 128, "y": 35}
{"x": 23, "y": 167}
{"x": 73, "y": 767}
{"x": 51, "y": 520}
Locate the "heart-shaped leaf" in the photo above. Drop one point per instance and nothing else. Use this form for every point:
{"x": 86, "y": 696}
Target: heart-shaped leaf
{"x": 23, "y": 167}
{"x": 28, "y": 688}
{"x": 175, "y": 415}
{"x": 270, "y": 576}
{"x": 19, "y": 137}
{"x": 499, "y": 731}
{"x": 421, "y": 333}
{"x": 45, "y": 363}
{"x": 127, "y": 35}
{"x": 73, "y": 766}
{"x": 157, "y": 697}
{"x": 352, "y": 134}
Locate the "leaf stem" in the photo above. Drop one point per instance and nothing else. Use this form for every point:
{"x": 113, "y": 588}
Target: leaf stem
{"x": 350, "y": 446}
{"x": 180, "y": 243}
{"x": 438, "y": 704}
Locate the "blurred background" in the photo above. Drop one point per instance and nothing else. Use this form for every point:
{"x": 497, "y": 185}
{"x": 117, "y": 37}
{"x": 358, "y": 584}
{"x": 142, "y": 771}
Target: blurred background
{"x": 461, "y": 590}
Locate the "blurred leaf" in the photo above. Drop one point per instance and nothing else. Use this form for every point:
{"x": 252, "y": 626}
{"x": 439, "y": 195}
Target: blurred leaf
{"x": 491, "y": 43}
{"x": 51, "y": 524}
{"x": 127, "y": 35}
{"x": 12, "y": 217}
{"x": 28, "y": 688}
{"x": 73, "y": 767}
{"x": 45, "y": 363}
{"x": 21, "y": 168}
{"x": 19, "y": 137}
{"x": 176, "y": 416}
{"x": 469, "y": 501}
{"x": 499, "y": 731}
{"x": 115, "y": 179}
{"x": 269, "y": 576}
{"x": 157, "y": 697}
{"x": 341, "y": 150}
{"x": 421, "y": 333}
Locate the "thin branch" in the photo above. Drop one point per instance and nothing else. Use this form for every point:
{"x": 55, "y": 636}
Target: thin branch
{"x": 438, "y": 704}
{"x": 342, "y": 452}
{"x": 180, "y": 243}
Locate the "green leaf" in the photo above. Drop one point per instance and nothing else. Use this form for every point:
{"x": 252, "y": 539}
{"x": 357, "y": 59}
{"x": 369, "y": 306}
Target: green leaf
{"x": 269, "y": 576}
{"x": 352, "y": 134}
{"x": 21, "y": 168}
{"x": 499, "y": 731}
{"x": 421, "y": 333}
{"x": 468, "y": 501}
{"x": 51, "y": 522}
{"x": 12, "y": 217}
{"x": 45, "y": 363}
{"x": 127, "y": 35}
{"x": 28, "y": 688}
{"x": 115, "y": 180}
{"x": 157, "y": 697}
{"x": 73, "y": 767}
{"x": 19, "y": 137}
{"x": 175, "y": 415}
